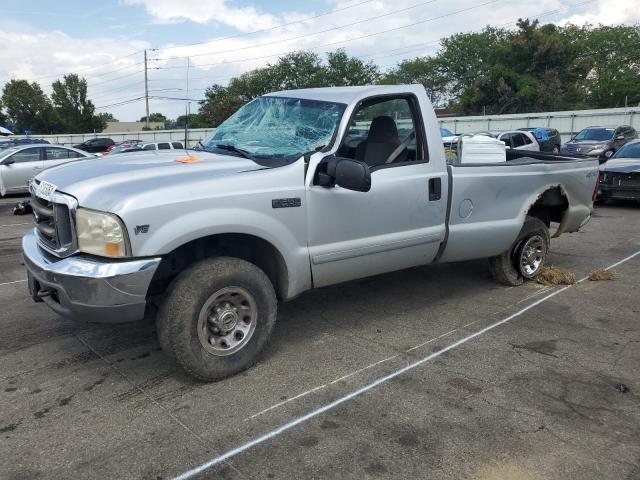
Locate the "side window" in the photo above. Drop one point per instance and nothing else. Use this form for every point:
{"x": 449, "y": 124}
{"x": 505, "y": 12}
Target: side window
{"x": 525, "y": 139}
{"x": 383, "y": 131}
{"x": 27, "y": 155}
{"x": 74, "y": 154}
{"x": 150, "y": 146}
{"x": 517, "y": 140}
{"x": 164, "y": 146}
{"x": 53, "y": 153}
{"x": 177, "y": 145}
{"x": 506, "y": 138}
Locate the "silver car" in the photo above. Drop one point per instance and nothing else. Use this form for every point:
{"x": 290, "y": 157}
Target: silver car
{"x": 20, "y": 164}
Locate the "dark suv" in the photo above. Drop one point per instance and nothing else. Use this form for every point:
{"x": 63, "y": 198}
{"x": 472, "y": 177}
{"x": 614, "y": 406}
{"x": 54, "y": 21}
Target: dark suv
{"x": 601, "y": 142}
{"x": 95, "y": 145}
{"x": 551, "y": 143}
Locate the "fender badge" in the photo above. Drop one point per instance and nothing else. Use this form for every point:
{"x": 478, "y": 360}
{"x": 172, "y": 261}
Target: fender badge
{"x": 141, "y": 229}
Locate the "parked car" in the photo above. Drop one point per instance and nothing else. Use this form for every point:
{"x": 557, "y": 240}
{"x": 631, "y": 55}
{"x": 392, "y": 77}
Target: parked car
{"x": 515, "y": 139}
{"x": 162, "y": 146}
{"x": 549, "y": 139}
{"x": 16, "y": 142}
{"x": 95, "y": 145}
{"x": 279, "y": 201}
{"x": 20, "y": 164}
{"x": 599, "y": 142}
{"x": 124, "y": 144}
{"x": 449, "y": 139}
{"x": 620, "y": 175}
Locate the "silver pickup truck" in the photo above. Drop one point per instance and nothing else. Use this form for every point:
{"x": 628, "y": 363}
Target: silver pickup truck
{"x": 298, "y": 189}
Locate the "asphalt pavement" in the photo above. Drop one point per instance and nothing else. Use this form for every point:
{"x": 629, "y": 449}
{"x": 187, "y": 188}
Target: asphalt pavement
{"x": 434, "y": 372}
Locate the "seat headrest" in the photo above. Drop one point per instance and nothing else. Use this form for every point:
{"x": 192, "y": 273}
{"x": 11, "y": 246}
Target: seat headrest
{"x": 382, "y": 129}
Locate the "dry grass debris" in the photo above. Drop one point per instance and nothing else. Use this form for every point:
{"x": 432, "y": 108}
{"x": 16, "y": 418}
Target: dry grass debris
{"x": 555, "y": 276}
{"x": 599, "y": 275}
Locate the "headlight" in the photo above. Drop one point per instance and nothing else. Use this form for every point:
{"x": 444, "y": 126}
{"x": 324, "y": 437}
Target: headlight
{"x": 101, "y": 234}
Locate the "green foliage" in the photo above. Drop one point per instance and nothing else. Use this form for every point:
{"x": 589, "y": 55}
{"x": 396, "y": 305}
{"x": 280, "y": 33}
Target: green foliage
{"x": 292, "y": 71}
{"x": 74, "y": 109}
{"x": 28, "y": 108}
{"x": 154, "y": 117}
{"x": 107, "y": 117}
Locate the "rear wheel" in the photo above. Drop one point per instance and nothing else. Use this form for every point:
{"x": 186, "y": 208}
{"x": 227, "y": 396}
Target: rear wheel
{"x": 217, "y": 317}
{"x": 525, "y": 258}
{"x": 556, "y": 149}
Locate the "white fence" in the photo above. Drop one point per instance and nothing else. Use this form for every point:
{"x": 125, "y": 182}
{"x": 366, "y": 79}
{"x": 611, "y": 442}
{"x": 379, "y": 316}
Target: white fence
{"x": 195, "y": 134}
{"x": 567, "y": 123}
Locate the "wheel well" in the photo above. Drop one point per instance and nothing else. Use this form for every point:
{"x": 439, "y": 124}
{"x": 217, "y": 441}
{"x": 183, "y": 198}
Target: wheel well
{"x": 550, "y": 206}
{"x": 247, "y": 247}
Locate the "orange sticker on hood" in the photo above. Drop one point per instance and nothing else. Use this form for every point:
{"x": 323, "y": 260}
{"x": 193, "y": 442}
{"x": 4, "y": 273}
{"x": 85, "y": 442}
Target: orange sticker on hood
{"x": 188, "y": 159}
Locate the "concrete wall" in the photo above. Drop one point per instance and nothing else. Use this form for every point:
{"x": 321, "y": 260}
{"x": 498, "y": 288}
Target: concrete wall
{"x": 567, "y": 123}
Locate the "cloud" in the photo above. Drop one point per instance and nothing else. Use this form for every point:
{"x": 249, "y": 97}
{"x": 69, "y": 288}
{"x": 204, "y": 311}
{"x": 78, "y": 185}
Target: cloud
{"x": 34, "y": 53}
{"x": 207, "y": 11}
{"x": 607, "y": 12}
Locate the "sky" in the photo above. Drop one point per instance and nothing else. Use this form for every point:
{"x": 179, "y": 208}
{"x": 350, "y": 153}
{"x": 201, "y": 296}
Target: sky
{"x": 41, "y": 40}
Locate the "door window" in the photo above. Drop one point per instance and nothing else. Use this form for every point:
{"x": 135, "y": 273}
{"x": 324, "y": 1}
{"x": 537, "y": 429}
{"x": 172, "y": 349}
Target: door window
{"x": 517, "y": 140}
{"x": 27, "y": 155}
{"x": 525, "y": 139}
{"x": 506, "y": 138}
{"x": 383, "y": 132}
{"x": 177, "y": 145}
{"x": 53, "y": 153}
{"x": 164, "y": 146}
{"x": 150, "y": 146}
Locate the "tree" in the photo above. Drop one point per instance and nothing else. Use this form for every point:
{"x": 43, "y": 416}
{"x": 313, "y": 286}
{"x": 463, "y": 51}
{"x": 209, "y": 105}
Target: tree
{"x": 107, "y": 117}
{"x": 219, "y": 104}
{"x": 427, "y": 71}
{"x": 342, "y": 70}
{"x": 75, "y": 110}
{"x": 154, "y": 117}
{"x": 3, "y": 117}
{"x": 28, "y": 108}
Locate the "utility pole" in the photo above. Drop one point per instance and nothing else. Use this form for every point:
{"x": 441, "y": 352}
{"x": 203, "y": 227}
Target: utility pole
{"x": 187, "y": 109}
{"x": 146, "y": 89}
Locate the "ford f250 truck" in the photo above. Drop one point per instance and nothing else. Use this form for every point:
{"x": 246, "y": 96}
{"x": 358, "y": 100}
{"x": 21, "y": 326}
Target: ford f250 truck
{"x": 296, "y": 190}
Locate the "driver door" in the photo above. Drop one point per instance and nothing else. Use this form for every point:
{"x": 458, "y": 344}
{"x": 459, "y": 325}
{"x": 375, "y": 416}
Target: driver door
{"x": 400, "y": 221}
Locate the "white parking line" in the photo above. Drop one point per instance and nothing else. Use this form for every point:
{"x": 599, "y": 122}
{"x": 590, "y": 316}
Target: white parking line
{"x": 304, "y": 418}
{"x": 15, "y": 224}
{"x": 16, "y": 281}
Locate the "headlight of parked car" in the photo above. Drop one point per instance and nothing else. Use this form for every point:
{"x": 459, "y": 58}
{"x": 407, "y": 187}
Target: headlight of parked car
{"x": 101, "y": 234}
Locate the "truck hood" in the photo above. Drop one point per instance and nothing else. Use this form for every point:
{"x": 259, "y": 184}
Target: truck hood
{"x": 115, "y": 177}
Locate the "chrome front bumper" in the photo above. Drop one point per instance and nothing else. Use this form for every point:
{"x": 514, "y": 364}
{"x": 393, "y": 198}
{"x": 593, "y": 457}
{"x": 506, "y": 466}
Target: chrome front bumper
{"x": 86, "y": 289}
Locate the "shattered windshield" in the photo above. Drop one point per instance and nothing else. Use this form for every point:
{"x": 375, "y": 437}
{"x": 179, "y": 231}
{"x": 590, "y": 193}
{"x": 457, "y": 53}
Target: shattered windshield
{"x": 276, "y": 127}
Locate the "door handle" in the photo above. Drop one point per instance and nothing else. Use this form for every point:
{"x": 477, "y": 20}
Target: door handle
{"x": 435, "y": 189}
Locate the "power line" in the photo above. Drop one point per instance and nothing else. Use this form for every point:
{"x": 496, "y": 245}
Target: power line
{"x": 302, "y": 20}
{"x": 310, "y": 34}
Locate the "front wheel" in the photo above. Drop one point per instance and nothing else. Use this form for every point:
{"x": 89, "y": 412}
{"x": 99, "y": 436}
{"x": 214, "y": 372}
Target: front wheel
{"x": 217, "y": 317}
{"x": 526, "y": 256}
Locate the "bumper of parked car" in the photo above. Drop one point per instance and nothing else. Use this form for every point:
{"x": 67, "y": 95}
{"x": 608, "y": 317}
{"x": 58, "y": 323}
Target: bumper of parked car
{"x": 87, "y": 289}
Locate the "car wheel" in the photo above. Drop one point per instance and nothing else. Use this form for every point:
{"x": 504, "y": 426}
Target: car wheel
{"x": 556, "y": 149}
{"x": 526, "y": 256}
{"x": 217, "y": 317}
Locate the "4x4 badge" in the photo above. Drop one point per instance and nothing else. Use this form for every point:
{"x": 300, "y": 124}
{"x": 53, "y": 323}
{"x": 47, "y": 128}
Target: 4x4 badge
{"x": 141, "y": 229}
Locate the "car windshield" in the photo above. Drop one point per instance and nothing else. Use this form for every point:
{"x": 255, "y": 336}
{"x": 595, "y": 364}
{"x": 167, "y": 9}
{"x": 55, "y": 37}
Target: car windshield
{"x": 276, "y": 127}
{"x": 597, "y": 134}
{"x": 630, "y": 150}
{"x": 446, "y": 133}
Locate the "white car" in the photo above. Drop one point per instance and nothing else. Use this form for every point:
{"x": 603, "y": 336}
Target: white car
{"x": 20, "y": 164}
{"x": 516, "y": 139}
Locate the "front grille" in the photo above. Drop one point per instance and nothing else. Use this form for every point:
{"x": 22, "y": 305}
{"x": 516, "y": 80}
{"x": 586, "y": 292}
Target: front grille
{"x": 571, "y": 148}
{"x": 54, "y": 225}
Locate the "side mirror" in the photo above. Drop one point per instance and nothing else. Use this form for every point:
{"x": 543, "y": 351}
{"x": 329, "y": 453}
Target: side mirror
{"x": 7, "y": 161}
{"x": 353, "y": 175}
{"x": 620, "y": 137}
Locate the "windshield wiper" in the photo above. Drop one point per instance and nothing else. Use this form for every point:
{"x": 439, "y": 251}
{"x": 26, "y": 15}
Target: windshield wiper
{"x": 233, "y": 148}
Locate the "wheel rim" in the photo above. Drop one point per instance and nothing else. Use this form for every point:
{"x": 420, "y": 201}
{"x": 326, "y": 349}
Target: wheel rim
{"x": 227, "y": 321}
{"x": 531, "y": 256}
{"x": 556, "y": 150}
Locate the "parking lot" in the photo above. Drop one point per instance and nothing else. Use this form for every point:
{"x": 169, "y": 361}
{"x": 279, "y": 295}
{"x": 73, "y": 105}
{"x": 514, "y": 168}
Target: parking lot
{"x": 435, "y": 372}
